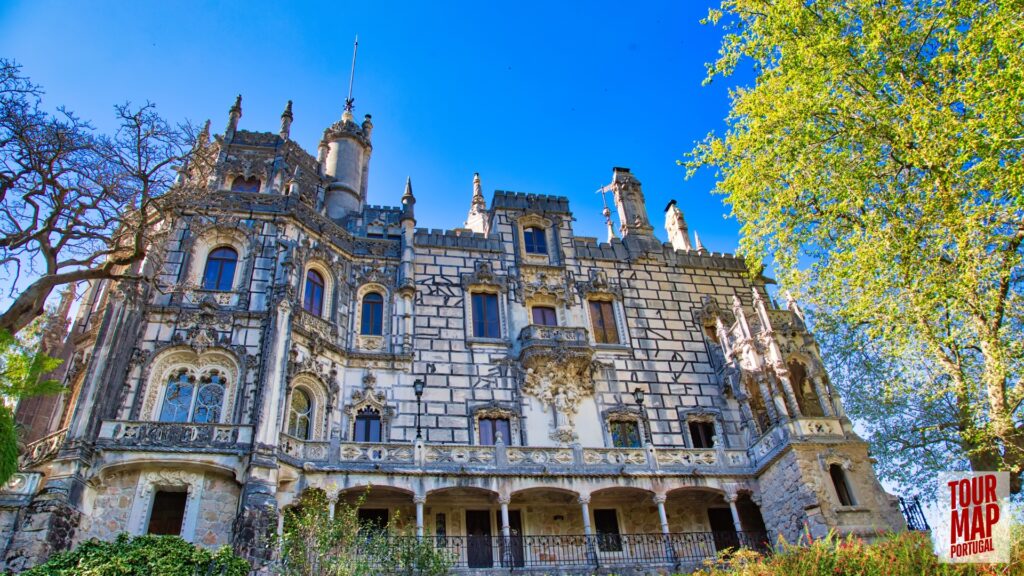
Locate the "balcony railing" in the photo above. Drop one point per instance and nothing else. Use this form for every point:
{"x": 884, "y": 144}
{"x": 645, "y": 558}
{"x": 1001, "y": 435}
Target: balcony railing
{"x": 188, "y": 436}
{"x": 594, "y": 551}
{"x": 43, "y": 449}
{"x": 536, "y": 335}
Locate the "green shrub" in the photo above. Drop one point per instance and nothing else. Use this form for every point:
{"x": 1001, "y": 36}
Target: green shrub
{"x": 142, "y": 556}
{"x": 899, "y": 554}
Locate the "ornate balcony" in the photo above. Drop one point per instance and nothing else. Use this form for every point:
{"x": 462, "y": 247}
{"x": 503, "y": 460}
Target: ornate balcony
{"x": 315, "y": 325}
{"x": 42, "y": 450}
{"x": 304, "y": 451}
{"x": 173, "y": 436}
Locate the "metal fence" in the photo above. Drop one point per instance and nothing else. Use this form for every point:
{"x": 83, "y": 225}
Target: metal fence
{"x": 912, "y": 512}
{"x": 568, "y": 550}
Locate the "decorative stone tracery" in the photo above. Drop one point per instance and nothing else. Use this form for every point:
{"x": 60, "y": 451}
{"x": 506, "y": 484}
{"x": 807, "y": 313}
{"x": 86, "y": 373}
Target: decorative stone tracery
{"x": 370, "y": 398}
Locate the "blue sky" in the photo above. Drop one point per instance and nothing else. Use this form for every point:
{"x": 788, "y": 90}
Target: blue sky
{"x": 543, "y": 98}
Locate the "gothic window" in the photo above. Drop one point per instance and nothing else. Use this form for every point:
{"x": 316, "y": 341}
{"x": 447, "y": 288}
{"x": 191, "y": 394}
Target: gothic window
{"x": 300, "y": 415}
{"x": 544, "y": 316}
{"x": 606, "y": 523}
{"x": 372, "y": 317}
{"x": 242, "y": 184}
{"x": 841, "y": 485}
{"x": 367, "y": 428}
{"x": 625, "y": 433}
{"x": 803, "y": 389}
{"x": 313, "y": 300}
{"x": 220, "y": 269}
{"x": 702, "y": 434}
{"x": 602, "y": 320}
{"x": 184, "y": 403}
{"x": 486, "y": 323}
{"x": 535, "y": 241}
{"x": 168, "y": 513}
{"x": 177, "y": 398}
{"x": 491, "y": 427}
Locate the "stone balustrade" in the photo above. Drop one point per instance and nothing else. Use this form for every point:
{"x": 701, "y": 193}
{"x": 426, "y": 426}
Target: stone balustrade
{"x": 806, "y": 427}
{"x": 315, "y": 325}
{"x": 42, "y": 450}
{"x": 174, "y": 436}
{"x": 304, "y": 450}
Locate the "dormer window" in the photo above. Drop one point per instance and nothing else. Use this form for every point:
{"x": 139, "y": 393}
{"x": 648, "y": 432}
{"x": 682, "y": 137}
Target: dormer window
{"x": 544, "y": 316}
{"x": 535, "y": 240}
{"x": 243, "y": 184}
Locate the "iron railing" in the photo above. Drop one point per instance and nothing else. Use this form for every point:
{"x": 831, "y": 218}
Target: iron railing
{"x": 598, "y": 550}
{"x": 911, "y": 508}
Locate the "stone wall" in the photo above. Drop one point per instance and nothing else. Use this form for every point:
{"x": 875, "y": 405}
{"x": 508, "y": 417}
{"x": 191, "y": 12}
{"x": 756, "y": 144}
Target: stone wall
{"x": 106, "y": 508}
{"x": 217, "y": 511}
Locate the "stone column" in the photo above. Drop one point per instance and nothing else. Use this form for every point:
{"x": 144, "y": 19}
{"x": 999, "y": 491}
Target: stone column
{"x": 782, "y": 376}
{"x": 824, "y": 397}
{"x": 731, "y": 499}
{"x": 659, "y": 501}
{"x": 419, "y": 501}
{"x": 506, "y": 532}
{"x": 584, "y": 501}
{"x": 332, "y": 503}
{"x": 768, "y": 399}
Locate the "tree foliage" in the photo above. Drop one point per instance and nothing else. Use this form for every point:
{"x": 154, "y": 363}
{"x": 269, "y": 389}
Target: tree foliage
{"x": 23, "y": 371}
{"x": 877, "y": 158}
{"x": 141, "y": 556}
{"x": 76, "y": 205}
{"x": 315, "y": 544}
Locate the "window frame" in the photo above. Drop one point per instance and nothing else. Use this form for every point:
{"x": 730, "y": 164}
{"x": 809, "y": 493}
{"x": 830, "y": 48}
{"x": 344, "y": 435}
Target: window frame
{"x": 493, "y": 430}
{"x": 841, "y": 486}
{"x": 197, "y": 385}
{"x": 601, "y": 303}
{"x": 221, "y": 262}
{"x": 616, "y": 423}
{"x": 376, "y": 315}
{"x": 607, "y": 541}
{"x": 368, "y": 415}
{"x": 702, "y": 435}
{"x": 480, "y": 315}
{"x": 535, "y": 240}
{"x": 307, "y": 302}
{"x": 245, "y": 184}
{"x": 545, "y": 308}
{"x": 294, "y": 415}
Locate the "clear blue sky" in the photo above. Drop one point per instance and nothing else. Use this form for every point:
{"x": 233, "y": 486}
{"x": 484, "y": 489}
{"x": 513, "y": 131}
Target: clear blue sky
{"x": 543, "y": 98}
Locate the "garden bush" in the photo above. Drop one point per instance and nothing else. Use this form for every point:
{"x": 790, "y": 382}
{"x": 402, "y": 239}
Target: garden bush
{"x": 899, "y": 554}
{"x": 142, "y": 556}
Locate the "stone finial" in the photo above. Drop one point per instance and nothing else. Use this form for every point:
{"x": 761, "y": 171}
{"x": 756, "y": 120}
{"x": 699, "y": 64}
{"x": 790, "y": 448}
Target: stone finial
{"x": 792, "y": 305}
{"x": 696, "y": 240}
{"x": 233, "y": 115}
{"x": 608, "y": 222}
{"x": 204, "y": 135}
{"x": 408, "y": 201}
{"x": 286, "y": 121}
{"x": 367, "y": 126}
{"x": 675, "y": 225}
{"x": 476, "y": 220}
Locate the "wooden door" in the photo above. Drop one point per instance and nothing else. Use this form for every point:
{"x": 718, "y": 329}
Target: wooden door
{"x": 478, "y": 535}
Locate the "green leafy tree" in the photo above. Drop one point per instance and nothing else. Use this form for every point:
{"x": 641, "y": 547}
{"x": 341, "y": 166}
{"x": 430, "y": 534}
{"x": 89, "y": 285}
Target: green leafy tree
{"x": 315, "y": 544}
{"x": 142, "y": 556}
{"x": 23, "y": 371}
{"x": 877, "y": 158}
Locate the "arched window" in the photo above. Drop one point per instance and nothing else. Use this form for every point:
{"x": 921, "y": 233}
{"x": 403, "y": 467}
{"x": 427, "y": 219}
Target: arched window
{"x": 367, "y": 427}
{"x": 220, "y": 269}
{"x": 535, "y": 240}
{"x": 373, "y": 315}
{"x": 841, "y": 485}
{"x": 183, "y": 402}
{"x": 242, "y": 184}
{"x": 178, "y": 398}
{"x": 313, "y": 301}
{"x": 300, "y": 414}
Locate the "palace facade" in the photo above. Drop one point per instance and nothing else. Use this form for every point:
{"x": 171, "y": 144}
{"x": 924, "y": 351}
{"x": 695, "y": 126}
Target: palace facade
{"x": 525, "y": 396}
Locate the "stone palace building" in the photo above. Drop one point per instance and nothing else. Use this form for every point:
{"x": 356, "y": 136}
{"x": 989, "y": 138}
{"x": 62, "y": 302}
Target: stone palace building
{"x": 527, "y": 397}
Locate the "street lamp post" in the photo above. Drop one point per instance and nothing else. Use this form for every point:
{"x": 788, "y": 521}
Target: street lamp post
{"x": 417, "y": 387}
{"x": 638, "y": 396}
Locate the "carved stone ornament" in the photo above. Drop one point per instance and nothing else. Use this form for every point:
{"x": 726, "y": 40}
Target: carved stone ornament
{"x": 561, "y": 380}
{"x": 542, "y": 282}
{"x": 152, "y": 481}
{"x": 483, "y": 275}
{"x": 598, "y": 284}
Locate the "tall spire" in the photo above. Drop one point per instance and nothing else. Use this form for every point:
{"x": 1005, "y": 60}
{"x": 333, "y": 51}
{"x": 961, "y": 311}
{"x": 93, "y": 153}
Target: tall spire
{"x": 477, "y": 218}
{"x": 286, "y": 121}
{"x": 675, "y": 225}
{"x": 350, "y": 101}
{"x": 696, "y": 241}
{"x": 408, "y": 201}
{"x": 233, "y": 115}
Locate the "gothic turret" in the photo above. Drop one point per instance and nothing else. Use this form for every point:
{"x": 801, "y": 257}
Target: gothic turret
{"x": 477, "y": 218}
{"x": 675, "y": 225}
{"x": 347, "y": 163}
